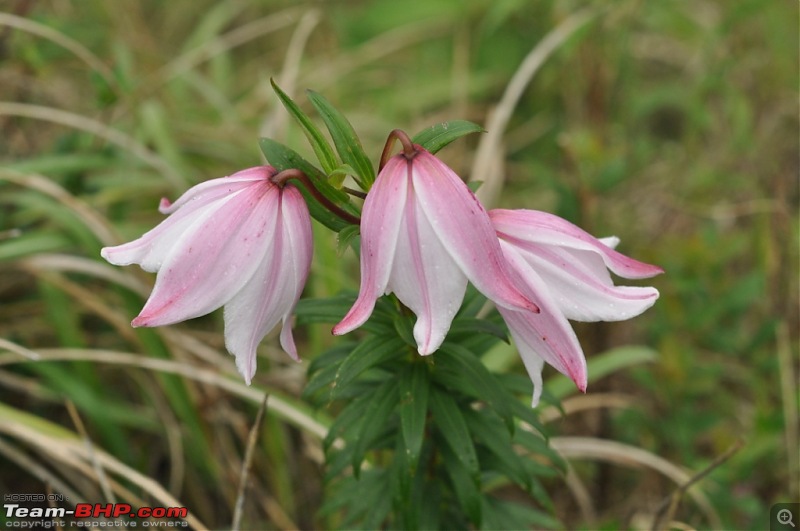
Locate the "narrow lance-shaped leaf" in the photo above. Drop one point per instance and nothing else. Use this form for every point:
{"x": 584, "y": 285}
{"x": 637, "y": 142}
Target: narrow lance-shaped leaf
{"x": 477, "y": 380}
{"x": 414, "y": 385}
{"x": 345, "y": 139}
{"x": 453, "y": 428}
{"x": 438, "y": 136}
{"x": 372, "y": 351}
{"x": 318, "y": 142}
{"x": 375, "y": 416}
{"x": 465, "y": 485}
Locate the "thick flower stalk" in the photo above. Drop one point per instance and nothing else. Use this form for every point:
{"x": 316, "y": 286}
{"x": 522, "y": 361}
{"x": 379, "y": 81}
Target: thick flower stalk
{"x": 566, "y": 270}
{"x": 242, "y": 242}
{"x": 423, "y": 236}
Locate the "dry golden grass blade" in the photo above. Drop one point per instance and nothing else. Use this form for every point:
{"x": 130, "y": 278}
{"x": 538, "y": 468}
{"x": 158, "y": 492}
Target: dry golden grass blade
{"x": 580, "y": 403}
{"x": 93, "y": 221}
{"x": 54, "y": 262}
{"x": 490, "y": 150}
{"x": 77, "y": 264}
{"x": 38, "y": 471}
{"x": 222, "y": 44}
{"x": 102, "y": 479}
{"x": 65, "y": 446}
{"x": 93, "y": 302}
{"x": 172, "y": 430}
{"x": 665, "y": 513}
{"x": 582, "y": 497}
{"x": 278, "y": 406}
{"x": 274, "y": 125}
{"x": 590, "y": 448}
{"x": 252, "y": 438}
{"x": 19, "y": 350}
{"x": 46, "y": 32}
{"x": 82, "y": 123}
{"x": 184, "y": 341}
{"x": 27, "y": 386}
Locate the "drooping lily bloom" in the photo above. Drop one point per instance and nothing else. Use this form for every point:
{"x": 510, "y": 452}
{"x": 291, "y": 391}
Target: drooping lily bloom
{"x": 242, "y": 242}
{"x": 423, "y": 235}
{"x": 566, "y": 270}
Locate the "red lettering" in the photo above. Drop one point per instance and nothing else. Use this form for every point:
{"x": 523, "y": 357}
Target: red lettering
{"x": 178, "y": 512}
{"x": 105, "y": 510}
{"x": 121, "y": 509}
{"x": 83, "y": 510}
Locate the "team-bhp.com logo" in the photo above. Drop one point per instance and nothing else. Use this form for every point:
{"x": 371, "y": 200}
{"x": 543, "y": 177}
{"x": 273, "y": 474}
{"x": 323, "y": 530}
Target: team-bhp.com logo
{"x": 130, "y": 517}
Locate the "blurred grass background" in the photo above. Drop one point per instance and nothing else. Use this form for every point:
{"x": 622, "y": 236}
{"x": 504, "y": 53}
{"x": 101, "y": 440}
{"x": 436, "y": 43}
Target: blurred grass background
{"x": 673, "y": 125}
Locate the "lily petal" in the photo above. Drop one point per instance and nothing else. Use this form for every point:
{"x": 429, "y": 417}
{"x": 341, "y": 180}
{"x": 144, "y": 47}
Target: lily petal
{"x": 535, "y": 227}
{"x": 544, "y": 336}
{"x": 462, "y": 225}
{"x": 273, "y": 290}
{"x": 152, "y": 248}
{"x": 425, "y": 278}
{"x": 573, "y": 264}
{"x": 582, "y": 287}
{"x": 381, "y": 219}
{"x": 213, "y": 258}
{"x": 208, "y": 191}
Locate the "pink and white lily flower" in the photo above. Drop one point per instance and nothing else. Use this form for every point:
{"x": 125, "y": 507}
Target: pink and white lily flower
{"x": 242, "y": 242}
{"x": 423, "y": 235}
{"x": 566, "y": 270}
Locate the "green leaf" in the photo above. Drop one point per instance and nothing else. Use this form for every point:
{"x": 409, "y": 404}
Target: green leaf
{"x": 414, "y": 385}
{"x": 453, "y": 428}
{"x": 337, "y": 176}
{"x": 488, "y": 431}
{"x": 438, "y": 136}
{"x": 464, "y": 485}
{"x": 345, "y": 139}
{"x": 285, "y": 158}
{"x": 404, "y": 327}
{"x": 318, "y": 142}
{"x": 472, "y": 326}
{"x": 374, "y": 418}
{"x": 372, "y": 351}
{"x": 345, "y": 237}
{"x": 474, "y": 186}
{"x": 608, "y": 362}
{"x": 503, "y": 514}
{"x": 323, "y": 310}
{"x": 476, "y": 380}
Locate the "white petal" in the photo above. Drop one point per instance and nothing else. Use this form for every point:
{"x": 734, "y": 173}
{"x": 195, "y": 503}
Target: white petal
{"x": 380, "y": 225}
{"x": 152, "y": 248}
{"x": 463, "y": 226}
{"x": 525, "y": 227}
{"x": 547, "y": 334}
{"x": 582, "y": 286}
{"x": 425, "y": 278}
{"x": 214, "y": 257}
{"x": 273, "y": 290}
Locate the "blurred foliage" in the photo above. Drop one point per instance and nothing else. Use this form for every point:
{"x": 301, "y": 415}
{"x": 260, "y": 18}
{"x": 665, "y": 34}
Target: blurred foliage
{"x": 673, "y": 125}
